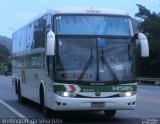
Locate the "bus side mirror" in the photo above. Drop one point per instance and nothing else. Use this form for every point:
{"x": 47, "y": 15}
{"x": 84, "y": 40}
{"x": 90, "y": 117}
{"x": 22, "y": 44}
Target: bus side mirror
{"x": 50, "y": 46}
{"x": 142, "y": 40}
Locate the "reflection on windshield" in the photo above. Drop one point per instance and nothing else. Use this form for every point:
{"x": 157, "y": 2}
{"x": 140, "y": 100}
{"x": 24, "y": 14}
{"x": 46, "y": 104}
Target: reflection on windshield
{"x": 92, "y": 25}
{"x": 76, "y": 59}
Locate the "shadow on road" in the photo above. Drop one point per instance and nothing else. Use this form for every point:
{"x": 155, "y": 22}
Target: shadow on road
{"x": 93, "y": 117}
{"x": 32, "y": 110}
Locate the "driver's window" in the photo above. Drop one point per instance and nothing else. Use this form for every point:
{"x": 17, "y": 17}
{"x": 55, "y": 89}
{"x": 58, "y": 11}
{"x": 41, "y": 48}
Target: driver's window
{"x": 51, "y": 67}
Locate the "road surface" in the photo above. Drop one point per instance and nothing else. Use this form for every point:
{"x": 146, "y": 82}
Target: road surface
{"x": 147, "y": 108}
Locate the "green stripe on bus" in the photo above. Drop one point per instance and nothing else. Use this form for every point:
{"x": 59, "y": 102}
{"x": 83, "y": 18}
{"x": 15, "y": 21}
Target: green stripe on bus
{"x": 107, "y": 88}
{"x": 110, "y": 88}
{"x": 59, "y": 88}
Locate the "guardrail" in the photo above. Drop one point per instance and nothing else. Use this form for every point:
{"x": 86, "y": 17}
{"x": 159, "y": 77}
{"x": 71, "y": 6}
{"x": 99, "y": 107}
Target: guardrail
{"x": 156, "y": 81}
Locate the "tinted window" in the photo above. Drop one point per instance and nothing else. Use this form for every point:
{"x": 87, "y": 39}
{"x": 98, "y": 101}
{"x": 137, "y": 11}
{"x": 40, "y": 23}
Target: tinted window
{"x": 92, "y": 25}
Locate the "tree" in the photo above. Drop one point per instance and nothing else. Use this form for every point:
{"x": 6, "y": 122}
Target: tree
{"x": 149, "y": 67}
{"x": 4, "y": 54}
{"x": 4, "y": 57}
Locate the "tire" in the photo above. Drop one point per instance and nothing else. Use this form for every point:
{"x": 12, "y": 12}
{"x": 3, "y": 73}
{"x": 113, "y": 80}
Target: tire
{"x": 110, "y": 113}
{"x": 16, "y": 89}
{"x": 21, "y": 99}
{"x": 45, "y": 110}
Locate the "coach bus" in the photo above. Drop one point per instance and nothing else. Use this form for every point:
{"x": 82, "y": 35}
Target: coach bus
{"x": 77, "y": 59}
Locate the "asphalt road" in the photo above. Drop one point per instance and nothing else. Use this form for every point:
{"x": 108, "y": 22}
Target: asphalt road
{"x": 147, "y": 108}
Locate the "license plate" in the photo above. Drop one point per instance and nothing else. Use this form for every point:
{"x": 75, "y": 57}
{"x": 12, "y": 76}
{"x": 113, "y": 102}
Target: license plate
{"x": 97, "y": 104}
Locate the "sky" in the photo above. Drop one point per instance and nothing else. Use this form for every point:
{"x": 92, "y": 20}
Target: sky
{"x": 15, "y": 13}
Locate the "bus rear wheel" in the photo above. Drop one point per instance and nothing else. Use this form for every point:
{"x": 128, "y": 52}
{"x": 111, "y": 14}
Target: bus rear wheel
{"x": 110, "y": 113}
{"x": 21, "y": 99}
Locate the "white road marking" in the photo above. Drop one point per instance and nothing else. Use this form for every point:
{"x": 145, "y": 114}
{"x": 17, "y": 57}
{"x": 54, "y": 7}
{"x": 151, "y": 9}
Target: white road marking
{"x": 12, "y": 109}
{"x": 16, "y": 112}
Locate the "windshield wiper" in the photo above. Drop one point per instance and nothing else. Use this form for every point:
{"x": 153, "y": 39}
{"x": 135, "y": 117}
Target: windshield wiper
{"x": 85, "y": 68}
{"x": 113, "y": 75}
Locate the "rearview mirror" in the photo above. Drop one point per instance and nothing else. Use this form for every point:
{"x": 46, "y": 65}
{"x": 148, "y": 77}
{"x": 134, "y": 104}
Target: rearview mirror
{"x": 50, "y": 46}
{"x": 142, "y": 40}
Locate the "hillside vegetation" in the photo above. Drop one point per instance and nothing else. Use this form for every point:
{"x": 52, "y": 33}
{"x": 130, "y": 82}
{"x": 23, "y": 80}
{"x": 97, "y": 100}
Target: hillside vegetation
{"x": 149, "y": 67}
{"x": 5, "y": 53}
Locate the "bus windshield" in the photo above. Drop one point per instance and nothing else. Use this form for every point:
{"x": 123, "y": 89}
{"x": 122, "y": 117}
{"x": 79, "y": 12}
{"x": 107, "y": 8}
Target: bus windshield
{"x": 93, "y": 59}
{"x": 92, "y": 25}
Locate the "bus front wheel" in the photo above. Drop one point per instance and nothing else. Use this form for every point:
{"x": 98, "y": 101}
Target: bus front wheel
{"x": 45, "y": 110}
{"x": 110, "y": 113}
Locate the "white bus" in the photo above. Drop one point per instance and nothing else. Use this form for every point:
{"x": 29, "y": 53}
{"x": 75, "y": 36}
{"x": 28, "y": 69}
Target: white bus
{"x": 77, "y": 59}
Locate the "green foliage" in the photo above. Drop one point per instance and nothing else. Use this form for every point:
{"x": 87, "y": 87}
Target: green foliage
{"x": 4, "y": 54}
{"x": 4, "y": 60}
{"x": 149, "y": 67}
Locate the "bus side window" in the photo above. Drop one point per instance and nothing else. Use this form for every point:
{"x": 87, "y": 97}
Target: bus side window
{"x": 39, "y": 33}
{"x": 48, "y": 24}
{"x": 50, "y": 60}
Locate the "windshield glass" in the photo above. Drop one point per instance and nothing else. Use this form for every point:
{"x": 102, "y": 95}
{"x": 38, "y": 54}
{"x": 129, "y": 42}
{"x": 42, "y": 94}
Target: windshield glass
{"x": 92, "y": 25}
{"x": 93, "y": 59}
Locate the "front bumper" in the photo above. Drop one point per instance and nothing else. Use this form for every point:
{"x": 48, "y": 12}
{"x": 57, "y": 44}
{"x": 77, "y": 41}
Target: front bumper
{"x": 69, "y": 104}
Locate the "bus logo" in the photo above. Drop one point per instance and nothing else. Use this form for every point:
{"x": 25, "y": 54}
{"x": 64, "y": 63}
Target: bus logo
{"x": 97, "y": 93}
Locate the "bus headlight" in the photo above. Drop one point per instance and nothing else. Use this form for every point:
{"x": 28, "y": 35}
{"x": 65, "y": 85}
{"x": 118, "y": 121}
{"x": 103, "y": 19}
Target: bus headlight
{"x": 127, "y": 94}
{"x": 65, "y": 94}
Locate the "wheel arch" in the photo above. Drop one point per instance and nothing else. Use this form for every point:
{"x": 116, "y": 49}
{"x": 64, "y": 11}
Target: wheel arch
{"x": 42, "y": 87}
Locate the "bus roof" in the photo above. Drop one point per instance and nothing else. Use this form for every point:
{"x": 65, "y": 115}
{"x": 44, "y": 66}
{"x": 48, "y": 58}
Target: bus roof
{"x": 79, "y": 10}
{"x": 89, "y": 11}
